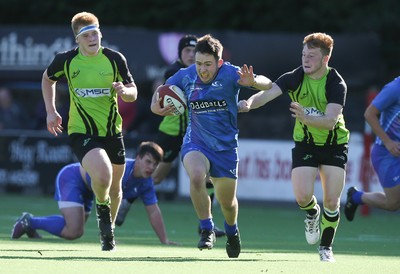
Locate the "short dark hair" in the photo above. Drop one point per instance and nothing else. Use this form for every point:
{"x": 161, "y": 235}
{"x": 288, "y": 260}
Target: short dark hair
{"x": 209, "y": 45}
{"x": 150, "y": 147}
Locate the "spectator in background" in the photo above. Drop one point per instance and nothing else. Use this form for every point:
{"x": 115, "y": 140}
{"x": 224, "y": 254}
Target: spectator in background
{"x": 12, "y": 115}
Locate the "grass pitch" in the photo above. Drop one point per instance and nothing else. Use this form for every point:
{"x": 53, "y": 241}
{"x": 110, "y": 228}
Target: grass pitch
{"x": 272, "y": 242}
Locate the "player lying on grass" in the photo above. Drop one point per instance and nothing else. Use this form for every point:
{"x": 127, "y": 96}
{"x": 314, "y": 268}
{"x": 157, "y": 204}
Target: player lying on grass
{"x": 74, "y": 194}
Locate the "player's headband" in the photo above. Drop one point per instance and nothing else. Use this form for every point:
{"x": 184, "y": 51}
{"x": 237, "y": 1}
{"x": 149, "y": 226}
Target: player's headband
{"x": 86, "y": 29}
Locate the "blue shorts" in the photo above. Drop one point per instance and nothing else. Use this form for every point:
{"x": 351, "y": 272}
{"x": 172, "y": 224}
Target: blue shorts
{"x": 386, "y": 166}
{"x": 70, "y": 187}
{"x": 222, "y": 163}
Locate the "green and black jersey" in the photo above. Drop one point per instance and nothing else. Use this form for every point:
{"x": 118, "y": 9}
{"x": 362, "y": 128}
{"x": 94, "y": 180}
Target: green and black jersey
{"x": 93, "y": 101}
{"x": 314, "y": 95}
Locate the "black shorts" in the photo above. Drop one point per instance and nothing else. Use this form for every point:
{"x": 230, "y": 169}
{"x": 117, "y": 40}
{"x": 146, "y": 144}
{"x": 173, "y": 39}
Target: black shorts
{"x": 314, "y": 156}
{"x": 170, "y": 144}
{"x": 114, "y": 146}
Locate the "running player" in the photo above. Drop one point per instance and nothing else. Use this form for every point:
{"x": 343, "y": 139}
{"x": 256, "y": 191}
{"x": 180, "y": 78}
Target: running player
{"x": 211, "y": 141}
{"x": 173, "y": 128}
{"x": 96, "y": 76}
{"x": 383, "y": 115}
{"x": 318, "y": 95}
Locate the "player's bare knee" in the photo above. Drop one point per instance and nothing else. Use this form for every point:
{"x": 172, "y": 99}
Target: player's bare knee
{"x": 102, "y": 182}
{"x": 331, "y": 204}
{"x": 197, "y": 175}
{"x": 227, "y": 204}
{"x": 73, "y": 234}
{"x": 393, "y": 206}
{"x": 102, "y": 177}
{"x": 303, "y": 201}
{"x": 197, "y": 182}
{"x": 115, "y": 194}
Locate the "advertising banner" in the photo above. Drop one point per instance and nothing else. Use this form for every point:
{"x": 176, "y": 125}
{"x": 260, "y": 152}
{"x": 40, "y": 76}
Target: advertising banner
{"x": 25, "y": 51}
{"x": 265, "y": 170}
{"x": 31, "y": 160}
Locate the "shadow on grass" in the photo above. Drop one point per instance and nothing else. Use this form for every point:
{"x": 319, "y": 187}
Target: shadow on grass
{"x": 41, "y": 255}
{"x": 265, "y": 228}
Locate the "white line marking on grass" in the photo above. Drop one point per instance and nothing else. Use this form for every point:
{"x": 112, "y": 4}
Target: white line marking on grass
{"x": 373, "y": 238}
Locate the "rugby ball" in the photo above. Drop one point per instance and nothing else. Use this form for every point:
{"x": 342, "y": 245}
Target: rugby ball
{"x": 172, "y": 95}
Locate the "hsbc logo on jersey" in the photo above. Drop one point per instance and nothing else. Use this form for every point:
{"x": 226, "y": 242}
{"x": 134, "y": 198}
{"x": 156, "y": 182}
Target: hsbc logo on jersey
{"x": 92, "y": 92}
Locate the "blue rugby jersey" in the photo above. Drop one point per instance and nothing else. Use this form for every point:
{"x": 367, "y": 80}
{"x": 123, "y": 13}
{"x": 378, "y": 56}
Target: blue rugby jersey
{"x": 388, "y": 103}
{"x": 212, "y": 107}
{"x": 133, "y": 188}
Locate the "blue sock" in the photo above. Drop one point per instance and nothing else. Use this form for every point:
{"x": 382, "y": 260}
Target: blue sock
{"x": 357, "y": 197}
{"x": 53, "y": 224}
{"x": 207, "y": 224}
{"x": 230, "y": 229}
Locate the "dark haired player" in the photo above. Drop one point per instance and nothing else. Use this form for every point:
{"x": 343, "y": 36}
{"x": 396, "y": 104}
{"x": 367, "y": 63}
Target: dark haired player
{"x": 173, "y": 128}
{"x": 75, "y": 198}
{"x": 210, "y": 145}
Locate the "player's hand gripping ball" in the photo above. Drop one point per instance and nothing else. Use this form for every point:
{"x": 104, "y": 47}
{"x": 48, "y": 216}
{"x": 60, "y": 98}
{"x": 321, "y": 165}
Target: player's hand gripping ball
{"x": 172, "y": 95}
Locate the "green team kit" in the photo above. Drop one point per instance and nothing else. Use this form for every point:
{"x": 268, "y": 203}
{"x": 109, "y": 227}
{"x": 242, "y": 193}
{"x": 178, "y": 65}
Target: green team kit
{"x": 174, "y": 125}
{"x": 85, "y": 115}
{"x": 314, "y": 95}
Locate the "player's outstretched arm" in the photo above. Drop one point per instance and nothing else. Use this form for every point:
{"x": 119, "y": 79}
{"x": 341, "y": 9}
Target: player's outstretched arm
{"x": 249, "y": 79}
{"x": 259, "y": 99}
{"x": 157, "y": 222}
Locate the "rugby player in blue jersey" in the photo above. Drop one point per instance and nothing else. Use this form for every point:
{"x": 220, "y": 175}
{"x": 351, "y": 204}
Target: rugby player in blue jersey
{"x": 75, "y": 198}
{"x": 383, "y": 115}
{"x": 210, "y": 145}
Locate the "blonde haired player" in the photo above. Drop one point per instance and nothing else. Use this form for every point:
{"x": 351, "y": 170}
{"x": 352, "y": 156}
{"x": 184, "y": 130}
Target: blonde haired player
{"x": 318, "y": 95}
{"x": 96, "y": 76}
